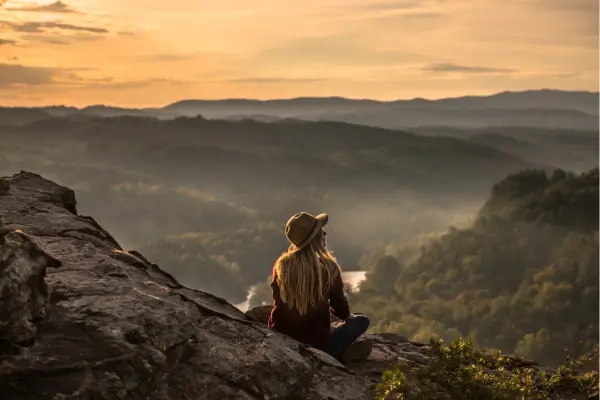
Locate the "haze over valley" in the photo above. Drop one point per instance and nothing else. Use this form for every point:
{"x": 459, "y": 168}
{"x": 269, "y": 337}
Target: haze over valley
{"x": 221, "y": 189}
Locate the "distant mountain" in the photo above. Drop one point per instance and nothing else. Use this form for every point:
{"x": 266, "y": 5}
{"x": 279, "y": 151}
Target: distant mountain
{"x": 575, "y": 150}
{"x": 409, "y": 118}
{"x": 535, "y": 99}
{"x": 586, "y": 102}
{"x": 106, "y": 111}
{"x": 254, "y": 117}
{"x": 500, "y": 141}
{"x": 22, "y": 115}
{"x": 536, "y": 108}
{"x": 540, "y": 108}
{"x": 59, "y": 111}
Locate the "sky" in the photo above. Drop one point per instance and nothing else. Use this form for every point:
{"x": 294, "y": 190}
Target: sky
{"x": 149, "y": 53}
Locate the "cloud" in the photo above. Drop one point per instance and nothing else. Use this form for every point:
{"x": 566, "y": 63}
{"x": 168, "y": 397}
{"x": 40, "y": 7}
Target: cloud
{"x": 14, "y": 74}
{"x": 396, "y": 5}
{"x": 582, "y": 14}
{"x": 165, "y": 57}
{"x": 109, "y": 83}
{"x": 466, "y": 69}
{"x": 272, "y": 80}
{"x": 574, "y": 5}
{"x": 423, "y": 15}
{"x": 44, "y": 39}
{"x": 391, "y": 5}
{"x": 367, "y": 9}
{"x": 344, "y": 49}
{"x": 40, "y": 27}
{"x": 56, "y": 7}
{"x": 5, "y": 42}
{"x": 54, "y": 33}
{"x": 112, "y": 83}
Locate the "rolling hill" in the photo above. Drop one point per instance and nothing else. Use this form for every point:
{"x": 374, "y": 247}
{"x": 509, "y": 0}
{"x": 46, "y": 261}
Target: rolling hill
{"x": 535, "y": 108}
{"x": 209, "y": 184}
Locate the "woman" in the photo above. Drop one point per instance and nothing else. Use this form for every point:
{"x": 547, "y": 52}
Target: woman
{"x": 307, "y": 285}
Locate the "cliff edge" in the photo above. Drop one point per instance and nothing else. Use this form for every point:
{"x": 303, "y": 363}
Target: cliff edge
{"x": 80, "y": 318}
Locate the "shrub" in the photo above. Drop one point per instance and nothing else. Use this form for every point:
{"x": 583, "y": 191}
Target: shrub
{"x": 459, "y": 371}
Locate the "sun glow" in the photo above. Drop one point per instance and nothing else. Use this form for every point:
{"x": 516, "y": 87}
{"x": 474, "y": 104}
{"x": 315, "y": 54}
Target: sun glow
{"x": 149, "y": 52}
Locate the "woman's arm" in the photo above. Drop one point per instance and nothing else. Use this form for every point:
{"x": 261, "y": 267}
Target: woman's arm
{"x": 337, "y": 299}
{"x": 275, "y": 288}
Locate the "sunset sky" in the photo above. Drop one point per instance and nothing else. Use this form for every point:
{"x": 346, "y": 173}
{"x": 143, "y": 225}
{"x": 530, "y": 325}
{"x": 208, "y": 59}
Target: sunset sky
{"x": 151, "y": 52}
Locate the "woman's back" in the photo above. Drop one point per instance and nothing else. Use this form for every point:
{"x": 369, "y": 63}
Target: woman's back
{"x": 313, "y": 327}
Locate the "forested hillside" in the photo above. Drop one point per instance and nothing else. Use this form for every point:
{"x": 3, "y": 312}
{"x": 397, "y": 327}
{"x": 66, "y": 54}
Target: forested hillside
{"x": 206, "y": 199}
{"x": 523, "y": 278}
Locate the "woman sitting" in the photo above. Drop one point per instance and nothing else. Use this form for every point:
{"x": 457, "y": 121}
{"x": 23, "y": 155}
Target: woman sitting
{"x": 307, "y": 285}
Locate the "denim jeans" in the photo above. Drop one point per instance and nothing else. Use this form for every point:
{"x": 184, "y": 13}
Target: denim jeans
{"x": 345, "y": 333}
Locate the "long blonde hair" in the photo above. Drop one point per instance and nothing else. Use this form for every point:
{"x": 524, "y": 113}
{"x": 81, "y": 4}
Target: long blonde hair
{"x": 305, "y": 275}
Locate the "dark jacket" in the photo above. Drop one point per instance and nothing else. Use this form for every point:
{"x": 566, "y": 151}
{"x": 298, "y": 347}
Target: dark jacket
{"x": 314, "y": 327}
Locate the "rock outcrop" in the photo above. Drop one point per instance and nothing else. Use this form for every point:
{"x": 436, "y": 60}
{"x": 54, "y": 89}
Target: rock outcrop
{"x": 388, "y": 350}
{"x": 80, "y": 318}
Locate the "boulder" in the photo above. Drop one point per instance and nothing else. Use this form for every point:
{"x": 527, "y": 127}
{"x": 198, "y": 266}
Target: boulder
{"x": 83, "y": 319}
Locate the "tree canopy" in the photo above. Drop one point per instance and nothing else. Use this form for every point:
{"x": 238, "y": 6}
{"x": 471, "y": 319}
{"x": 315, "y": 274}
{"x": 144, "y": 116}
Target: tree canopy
{"x": 523, "y": 278}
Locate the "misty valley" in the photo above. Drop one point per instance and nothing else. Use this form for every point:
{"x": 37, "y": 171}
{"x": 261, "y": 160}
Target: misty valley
{"x": 442, "y": 227}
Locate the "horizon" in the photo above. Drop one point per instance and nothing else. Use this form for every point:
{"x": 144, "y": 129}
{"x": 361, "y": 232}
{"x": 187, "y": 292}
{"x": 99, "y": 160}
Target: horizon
{"x": 430, "y": 99}
{"x": 139, "y": 54}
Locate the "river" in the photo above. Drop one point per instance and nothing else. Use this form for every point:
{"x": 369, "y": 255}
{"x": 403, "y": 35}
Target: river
{"x": 351, "y": 278}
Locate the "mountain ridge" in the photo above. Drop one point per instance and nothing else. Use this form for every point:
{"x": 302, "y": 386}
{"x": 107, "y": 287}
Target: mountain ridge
{"x": 542, "y": 108}
{"x": 420, "y": 100}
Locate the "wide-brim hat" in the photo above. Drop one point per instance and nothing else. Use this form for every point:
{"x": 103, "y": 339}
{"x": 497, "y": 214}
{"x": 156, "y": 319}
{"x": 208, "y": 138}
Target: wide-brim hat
{"x": 303, "y": 227}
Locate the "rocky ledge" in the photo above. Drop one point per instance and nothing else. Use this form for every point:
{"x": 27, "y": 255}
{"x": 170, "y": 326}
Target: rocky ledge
{"x": 80, "y": 318}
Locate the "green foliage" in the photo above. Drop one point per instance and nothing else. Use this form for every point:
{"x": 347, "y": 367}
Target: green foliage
{"x": 194, "y": 194}
{"x": 224, "y": 263}
{"x": 524, "y": 281}
{"x": 462, "y": 372}
{"x": 563, "y": 198}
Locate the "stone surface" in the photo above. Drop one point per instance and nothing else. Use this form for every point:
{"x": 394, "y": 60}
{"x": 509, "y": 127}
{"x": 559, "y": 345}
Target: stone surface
{"x": 80, "y": 318}
{"x": 388, "y": 349}
{"x": 83, "y": 319}
{"x": 23, "y": 290}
